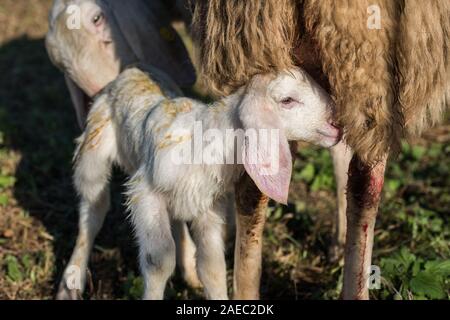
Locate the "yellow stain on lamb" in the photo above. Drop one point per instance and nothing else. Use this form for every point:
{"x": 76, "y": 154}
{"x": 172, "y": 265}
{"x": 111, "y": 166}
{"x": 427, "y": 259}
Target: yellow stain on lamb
{"x": 169, "y": 141}
{"x": 151, "y": 87}
{"x": 163, "y": 126}
{"x": 172, "y": 108}
{"x": 91, "y": 141}
{"x": 97, "y": 121}
{"x": 143, "y": 85}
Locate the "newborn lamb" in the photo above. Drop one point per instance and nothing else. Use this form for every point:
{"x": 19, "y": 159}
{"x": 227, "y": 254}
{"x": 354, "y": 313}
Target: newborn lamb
{"x": 183, "y": 156}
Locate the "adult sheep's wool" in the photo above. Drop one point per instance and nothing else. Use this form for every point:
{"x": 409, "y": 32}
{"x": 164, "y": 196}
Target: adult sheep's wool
{"x": 389, "y": 82}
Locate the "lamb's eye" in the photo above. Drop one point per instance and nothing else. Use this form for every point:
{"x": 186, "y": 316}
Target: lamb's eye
{"x": 97, "y": 19}
{"x": 289, "y": 103}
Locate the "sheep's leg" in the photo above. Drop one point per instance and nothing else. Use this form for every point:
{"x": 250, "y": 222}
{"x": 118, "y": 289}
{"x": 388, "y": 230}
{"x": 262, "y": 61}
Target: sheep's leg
{"x": 185, "y": 254}
{"x": 365, "y": 184}
{"x": 251, "y": 207}
{"x": 341, "y": 155}
{"x": 157, "y": 254}
{"x": 91, "y": 179}
{"x": 207, "y": 232}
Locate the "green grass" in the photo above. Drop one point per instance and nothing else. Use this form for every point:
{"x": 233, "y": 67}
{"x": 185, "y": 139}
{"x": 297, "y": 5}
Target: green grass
{"x": 38, "y": 218}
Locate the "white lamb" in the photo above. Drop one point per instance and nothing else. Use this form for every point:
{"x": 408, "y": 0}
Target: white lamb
{"x": 183, "y": 157}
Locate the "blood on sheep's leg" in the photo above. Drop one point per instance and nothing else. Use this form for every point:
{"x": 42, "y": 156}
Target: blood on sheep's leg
{"x": 365, "y": 184}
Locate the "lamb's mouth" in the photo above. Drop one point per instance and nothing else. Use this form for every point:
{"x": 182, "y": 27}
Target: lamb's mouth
{"x": 332, "y": 136}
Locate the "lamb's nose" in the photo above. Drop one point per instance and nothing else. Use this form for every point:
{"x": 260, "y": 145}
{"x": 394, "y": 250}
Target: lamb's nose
{"x": 334, "y": 125}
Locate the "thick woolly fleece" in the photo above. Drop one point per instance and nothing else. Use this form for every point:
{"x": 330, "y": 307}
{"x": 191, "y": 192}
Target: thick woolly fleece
{"x": 388, "y": 83}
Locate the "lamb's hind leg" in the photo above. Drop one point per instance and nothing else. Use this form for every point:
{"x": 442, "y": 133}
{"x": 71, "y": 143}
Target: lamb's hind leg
{"x": 207, "y": 232}
{"x": 186, "y": 254}
{"x": 186, "y": 249}
{"x": 92, "y": 171}
{"x": 151, "y": 221}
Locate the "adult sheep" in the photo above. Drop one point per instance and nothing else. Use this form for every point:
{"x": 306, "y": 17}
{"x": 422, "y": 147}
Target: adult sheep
{"x": 385, "y": 62}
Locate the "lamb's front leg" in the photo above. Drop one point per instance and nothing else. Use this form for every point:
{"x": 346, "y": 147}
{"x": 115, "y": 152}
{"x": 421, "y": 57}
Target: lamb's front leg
{"x": 156, "y": 245}
{"x": 207, "y": 232}
{"x": 365, "y": 184}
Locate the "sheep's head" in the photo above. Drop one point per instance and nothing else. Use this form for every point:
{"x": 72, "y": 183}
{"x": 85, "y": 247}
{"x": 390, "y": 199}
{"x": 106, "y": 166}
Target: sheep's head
{"x": 93, "y": 40}
{"x": 290, "y": 106}
{"x": 85, "y": 51}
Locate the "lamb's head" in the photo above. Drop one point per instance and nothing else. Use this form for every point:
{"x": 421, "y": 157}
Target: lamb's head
{"x": 292, "y": 102}
{"x": 292, "y": 107}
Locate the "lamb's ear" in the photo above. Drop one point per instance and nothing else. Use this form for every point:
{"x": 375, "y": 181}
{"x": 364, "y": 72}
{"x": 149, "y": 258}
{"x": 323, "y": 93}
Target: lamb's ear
{"x": 265, "y": 152}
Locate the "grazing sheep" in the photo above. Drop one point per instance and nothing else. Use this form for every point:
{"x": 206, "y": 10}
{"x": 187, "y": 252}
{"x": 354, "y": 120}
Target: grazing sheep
{"x": 386, "y": 63}
{"x": 140, "y": 123}
{"x": 111, "y": 36}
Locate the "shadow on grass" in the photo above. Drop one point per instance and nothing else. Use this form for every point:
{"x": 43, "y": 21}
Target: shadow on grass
{"x": 37, "y": 119}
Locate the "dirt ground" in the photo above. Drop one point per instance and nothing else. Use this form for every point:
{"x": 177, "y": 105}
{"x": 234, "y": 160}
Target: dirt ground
{"x": 38, "y": 216}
